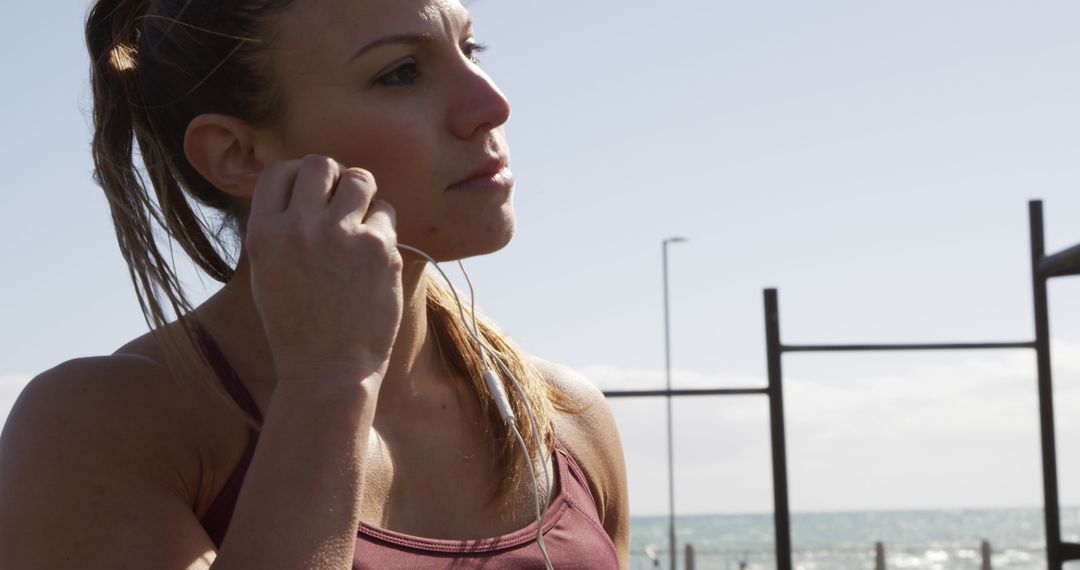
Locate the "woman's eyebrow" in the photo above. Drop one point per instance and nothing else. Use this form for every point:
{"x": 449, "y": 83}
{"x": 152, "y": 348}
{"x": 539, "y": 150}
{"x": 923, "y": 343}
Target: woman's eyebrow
{"x": 407, "y": 38}
{"x": 416, "y": 38}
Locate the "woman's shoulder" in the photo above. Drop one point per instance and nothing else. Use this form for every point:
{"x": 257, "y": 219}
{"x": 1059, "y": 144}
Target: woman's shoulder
{"x": 582, "y": 411}
{"x": 92, "y": 388}
{"x": 130, "y": 385}
{"x": 97, "y": 460}
{"x": 568, "y": 380}
{"x": 588, "y": 431}
{"x": 583, "y": 418}
{"x": 133, "y": 386}
{"x": 120, "y": 412}
{"x": 94, "y": 395}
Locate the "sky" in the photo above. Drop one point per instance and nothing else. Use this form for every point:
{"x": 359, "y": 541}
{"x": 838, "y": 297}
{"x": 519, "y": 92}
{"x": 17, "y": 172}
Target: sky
{"x": 872, "y": 160}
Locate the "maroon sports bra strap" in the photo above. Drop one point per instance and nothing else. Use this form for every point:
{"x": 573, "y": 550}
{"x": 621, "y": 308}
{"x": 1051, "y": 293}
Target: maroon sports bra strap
{"x": 225, "y": 373}
{"x": 217, "y": 517}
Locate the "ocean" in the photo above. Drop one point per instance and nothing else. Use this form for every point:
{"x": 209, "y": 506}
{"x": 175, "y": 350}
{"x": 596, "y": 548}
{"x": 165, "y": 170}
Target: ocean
{"x": 924, "y": 540}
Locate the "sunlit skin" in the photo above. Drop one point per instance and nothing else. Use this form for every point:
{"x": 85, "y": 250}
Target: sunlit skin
{"x": 418, "y": 117}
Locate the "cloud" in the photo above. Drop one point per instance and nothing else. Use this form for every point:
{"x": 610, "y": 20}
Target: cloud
{"x": 949, "y": 433}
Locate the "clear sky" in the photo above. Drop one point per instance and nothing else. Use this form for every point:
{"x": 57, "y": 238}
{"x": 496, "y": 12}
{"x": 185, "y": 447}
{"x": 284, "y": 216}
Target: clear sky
{"x": 871, "y": 159}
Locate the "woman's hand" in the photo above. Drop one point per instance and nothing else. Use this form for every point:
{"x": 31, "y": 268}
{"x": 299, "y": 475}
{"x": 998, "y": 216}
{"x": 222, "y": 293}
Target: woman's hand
{"x": 325, "y": 270}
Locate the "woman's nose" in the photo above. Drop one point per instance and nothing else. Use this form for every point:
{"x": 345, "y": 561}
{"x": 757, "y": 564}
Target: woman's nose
{"x": 479, "y": 105}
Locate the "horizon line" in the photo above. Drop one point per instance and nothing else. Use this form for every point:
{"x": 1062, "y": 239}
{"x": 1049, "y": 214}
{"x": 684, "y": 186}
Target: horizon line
{"x": 853, "y": 511}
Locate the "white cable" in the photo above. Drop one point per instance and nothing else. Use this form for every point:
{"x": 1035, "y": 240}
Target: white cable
{"x": 532, "y": 422}
{"x": 452, "y": 289}
{"x": 472, "y": 309}
{"x": 544, "y": 459}
{"x": 536, "y": 499}
{"x": 496, "y": 387}
{"x": 499, "y": 395}
{"x": 483, "y": 347}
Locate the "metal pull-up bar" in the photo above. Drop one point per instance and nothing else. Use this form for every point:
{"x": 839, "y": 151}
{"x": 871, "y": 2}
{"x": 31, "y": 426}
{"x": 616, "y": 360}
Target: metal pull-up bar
{"x": 775, "y": 349}
{"x": 1043, "y": 268}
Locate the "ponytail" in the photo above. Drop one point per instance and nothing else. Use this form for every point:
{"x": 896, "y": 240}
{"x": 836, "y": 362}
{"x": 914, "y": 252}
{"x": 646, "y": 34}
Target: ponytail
{"x": 121, "y": 117}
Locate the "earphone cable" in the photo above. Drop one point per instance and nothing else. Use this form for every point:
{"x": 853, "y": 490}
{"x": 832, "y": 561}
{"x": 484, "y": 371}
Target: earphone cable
{"x": 493, "y": 355}
{"x": 536, "y": 500}
{"x": 504, "y": 406}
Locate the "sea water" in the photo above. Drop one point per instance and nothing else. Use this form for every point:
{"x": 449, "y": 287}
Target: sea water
{"x": 925, "y": 540}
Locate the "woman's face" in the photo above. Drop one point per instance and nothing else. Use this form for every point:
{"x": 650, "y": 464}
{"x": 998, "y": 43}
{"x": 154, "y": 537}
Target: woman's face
{"x": 417, "y": 112}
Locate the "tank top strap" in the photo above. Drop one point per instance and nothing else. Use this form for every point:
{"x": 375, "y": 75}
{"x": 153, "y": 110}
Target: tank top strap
{"x": 225, "y": 373}
{"x": 219, "y": 514}
{"x": 575, "y": 484}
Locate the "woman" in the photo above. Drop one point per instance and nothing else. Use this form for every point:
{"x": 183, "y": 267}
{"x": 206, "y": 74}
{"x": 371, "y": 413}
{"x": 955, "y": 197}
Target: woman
{"x": 327, "y": 407}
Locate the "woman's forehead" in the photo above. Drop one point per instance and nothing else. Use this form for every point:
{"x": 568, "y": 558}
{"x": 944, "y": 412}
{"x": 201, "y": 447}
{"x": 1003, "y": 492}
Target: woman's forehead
{"x": 320, "y": 37}
{"x": 363, "y": 20}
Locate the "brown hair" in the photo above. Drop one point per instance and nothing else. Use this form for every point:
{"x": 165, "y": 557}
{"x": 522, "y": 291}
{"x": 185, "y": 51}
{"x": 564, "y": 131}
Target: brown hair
{"x": 156, "y": 65}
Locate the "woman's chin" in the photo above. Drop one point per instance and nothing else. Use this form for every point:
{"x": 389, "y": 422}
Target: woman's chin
{"x": 492, "y": 239}
{"x": 462, "y": 244}
{"x": 503, "y": 240}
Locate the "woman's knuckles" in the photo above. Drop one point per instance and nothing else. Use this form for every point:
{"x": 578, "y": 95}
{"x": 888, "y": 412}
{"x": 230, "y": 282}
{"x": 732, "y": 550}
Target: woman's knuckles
{"x": 346, "y": 241}
{"x": 372, "y": 246}
{"x": 318, "y": 165}
{"x": 365, "y": 180}
{"x": 286, "y": 242}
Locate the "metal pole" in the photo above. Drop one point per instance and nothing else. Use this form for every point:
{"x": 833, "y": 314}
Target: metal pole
{"x": 1054, "y": 559}
{"x": 779, "y": 446}
{"x": 667, "y": 370}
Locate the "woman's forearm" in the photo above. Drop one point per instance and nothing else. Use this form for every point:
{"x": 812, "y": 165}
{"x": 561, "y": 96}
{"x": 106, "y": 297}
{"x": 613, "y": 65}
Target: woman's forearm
{"x": 299, "y": 506}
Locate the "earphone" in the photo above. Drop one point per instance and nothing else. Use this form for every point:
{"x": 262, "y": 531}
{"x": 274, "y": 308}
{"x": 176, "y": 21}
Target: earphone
{"x": 502, "y": 402}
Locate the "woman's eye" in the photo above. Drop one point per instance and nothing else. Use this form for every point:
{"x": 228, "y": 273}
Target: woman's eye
{"x": 408, "y": 73}
{"x": 472, "y": 51}
{"x": 402, "y": 75}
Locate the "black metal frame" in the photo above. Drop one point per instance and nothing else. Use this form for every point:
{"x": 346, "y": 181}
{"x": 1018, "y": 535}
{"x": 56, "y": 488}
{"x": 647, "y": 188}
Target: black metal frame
{"x": 1043, "y": 268}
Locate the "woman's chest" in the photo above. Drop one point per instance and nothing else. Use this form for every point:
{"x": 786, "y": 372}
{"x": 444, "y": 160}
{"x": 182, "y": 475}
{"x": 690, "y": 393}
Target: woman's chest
{"x": 446, "y": 487}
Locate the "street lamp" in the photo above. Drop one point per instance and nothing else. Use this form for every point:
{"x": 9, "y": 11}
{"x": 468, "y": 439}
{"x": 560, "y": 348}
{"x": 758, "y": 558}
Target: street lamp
{"x": 667, "y": 369}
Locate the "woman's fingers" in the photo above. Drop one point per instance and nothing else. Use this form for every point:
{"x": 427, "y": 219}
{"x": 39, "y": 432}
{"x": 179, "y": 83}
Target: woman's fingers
{"x": 273, "y": 190}
{"x": 314, "y": 183}
{"x": 298, "y": 196}
{"x": 325, "y": 272}
{"x": 382, "y": 218}
{"x": 353, "y": 195}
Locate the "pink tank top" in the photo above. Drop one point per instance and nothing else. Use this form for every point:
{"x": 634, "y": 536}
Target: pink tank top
{"x": 573, "y": 535}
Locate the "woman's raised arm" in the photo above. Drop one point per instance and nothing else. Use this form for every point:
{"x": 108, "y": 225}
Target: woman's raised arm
{"x": 84, "y": 481}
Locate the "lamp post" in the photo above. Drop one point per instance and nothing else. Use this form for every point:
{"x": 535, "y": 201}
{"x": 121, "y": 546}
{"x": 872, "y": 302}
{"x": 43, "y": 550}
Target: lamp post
{"x": 667, "y": 369}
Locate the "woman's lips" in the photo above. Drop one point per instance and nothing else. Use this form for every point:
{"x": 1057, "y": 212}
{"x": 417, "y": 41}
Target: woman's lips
{"x": 500, "y": 180}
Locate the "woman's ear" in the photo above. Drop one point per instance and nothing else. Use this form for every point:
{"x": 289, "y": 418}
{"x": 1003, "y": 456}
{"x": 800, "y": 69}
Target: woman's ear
{"x": 223, "y": 150}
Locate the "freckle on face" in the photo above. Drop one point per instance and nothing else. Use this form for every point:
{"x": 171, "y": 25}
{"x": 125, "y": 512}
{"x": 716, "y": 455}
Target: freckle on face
{"x": 432, "y": 230}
